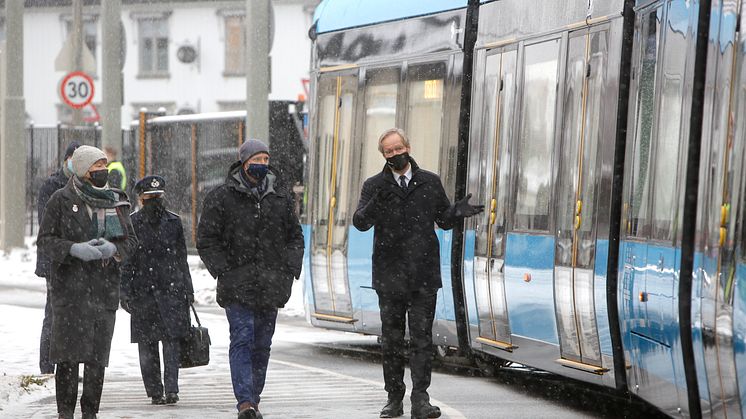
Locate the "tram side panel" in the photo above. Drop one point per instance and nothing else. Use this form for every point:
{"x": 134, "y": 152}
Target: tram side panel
{"x": 655, "y": 173}
{"x": 543, "y": 123}
{"x": 720, "y": 206}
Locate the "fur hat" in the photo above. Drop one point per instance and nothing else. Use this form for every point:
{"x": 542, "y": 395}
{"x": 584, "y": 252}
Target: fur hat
{"x": 84, "y": 157}
{"x": 250, "y": 148}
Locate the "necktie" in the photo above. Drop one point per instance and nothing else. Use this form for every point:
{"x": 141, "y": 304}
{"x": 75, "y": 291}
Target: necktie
{"x": 403, "y": 182}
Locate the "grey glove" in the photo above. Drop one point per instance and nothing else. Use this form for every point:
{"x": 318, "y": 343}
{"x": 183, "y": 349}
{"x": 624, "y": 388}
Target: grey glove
{"x": 85, "y": 251}
{"x": 107, "y": 248}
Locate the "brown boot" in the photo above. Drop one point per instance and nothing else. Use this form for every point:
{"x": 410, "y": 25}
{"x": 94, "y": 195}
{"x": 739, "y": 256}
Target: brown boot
{"x": 246, "y": 411}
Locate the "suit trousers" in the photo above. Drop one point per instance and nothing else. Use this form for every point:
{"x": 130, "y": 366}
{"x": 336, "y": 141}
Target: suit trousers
{"x": 150, "y": 367}
{"x": 66, "y": 383}
{"x": 418, "y": 310}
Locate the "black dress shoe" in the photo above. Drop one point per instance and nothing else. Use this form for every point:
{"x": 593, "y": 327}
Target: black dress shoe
{"x": 425, "y": 411}
{"x": 393, "y": 409}
{"x": 172, "y": 398}
{"x": 157, "y": 400}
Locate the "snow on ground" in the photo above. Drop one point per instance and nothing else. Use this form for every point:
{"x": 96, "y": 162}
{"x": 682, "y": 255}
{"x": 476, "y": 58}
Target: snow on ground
{"x": 22, "y": 298}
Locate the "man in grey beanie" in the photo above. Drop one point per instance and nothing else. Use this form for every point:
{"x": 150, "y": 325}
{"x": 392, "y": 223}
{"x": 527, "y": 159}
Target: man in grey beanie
{"x": 250, "y": 239}
{"x": 86, "y": 232}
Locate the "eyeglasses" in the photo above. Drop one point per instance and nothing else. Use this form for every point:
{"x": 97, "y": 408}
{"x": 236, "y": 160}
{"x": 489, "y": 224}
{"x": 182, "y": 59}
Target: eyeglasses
{"x": 388, "y": 152}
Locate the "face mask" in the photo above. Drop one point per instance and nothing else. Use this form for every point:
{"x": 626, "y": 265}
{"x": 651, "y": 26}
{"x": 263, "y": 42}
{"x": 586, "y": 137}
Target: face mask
{"x": 99, "y": 178}
{"x": 70, "y": 165}
{"x": 257, "y": 171}
{"x": 398, "y": 162}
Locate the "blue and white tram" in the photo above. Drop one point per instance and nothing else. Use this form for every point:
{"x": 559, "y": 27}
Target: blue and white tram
{"x": 607, "y": 142}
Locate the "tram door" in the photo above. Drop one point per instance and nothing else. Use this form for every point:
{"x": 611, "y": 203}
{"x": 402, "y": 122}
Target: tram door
{"x": 489, "y": 257}
{"x": 331, "y": 203}
{"x": 575, "y": 241}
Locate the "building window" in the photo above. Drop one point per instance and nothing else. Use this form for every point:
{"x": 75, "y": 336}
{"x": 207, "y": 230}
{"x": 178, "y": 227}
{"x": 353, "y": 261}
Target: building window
{"x": 235, "y": 44}
{"x": 153, "y": 47}
{"x": 90, "y": 33}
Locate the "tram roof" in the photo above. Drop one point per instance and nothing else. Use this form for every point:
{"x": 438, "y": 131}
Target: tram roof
{"x": 334, "y": 15}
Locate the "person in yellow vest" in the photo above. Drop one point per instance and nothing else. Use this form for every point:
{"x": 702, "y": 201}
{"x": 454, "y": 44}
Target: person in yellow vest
{"x": 117, "y": 174}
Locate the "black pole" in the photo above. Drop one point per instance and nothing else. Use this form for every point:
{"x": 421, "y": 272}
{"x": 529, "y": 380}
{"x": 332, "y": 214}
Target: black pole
{"x": 457, "y": 285}
{"x": 690, "y": 208}
{"x": 612, "y": 269}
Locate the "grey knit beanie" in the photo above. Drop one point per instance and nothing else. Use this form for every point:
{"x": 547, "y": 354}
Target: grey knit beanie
{"x": 250, "y": 148}
{"x": 84, "y": 157}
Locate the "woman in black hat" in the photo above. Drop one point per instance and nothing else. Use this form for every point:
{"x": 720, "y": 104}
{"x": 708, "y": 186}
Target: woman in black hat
{"x": 156, "y": 290}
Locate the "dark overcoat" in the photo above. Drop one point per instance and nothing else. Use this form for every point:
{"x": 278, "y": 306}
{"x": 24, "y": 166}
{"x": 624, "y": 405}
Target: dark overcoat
{"x": 252, "y": 244}
{"x": 406, "y": 253}
{"x": 85, "y": 295}
{"x": 55, "y": 181}
{"x": 156, "y": 280}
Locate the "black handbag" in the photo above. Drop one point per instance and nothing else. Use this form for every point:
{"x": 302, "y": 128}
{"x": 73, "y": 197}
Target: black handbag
{"x": 195, "y": 348}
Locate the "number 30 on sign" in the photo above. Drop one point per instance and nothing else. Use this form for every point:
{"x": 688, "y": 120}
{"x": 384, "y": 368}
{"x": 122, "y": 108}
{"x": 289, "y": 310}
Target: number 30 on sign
{"x": 76, "y": 89}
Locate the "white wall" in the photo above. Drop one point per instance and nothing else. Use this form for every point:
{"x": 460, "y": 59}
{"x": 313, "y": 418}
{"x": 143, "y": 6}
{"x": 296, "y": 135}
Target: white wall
{"x": 199, "y": 85}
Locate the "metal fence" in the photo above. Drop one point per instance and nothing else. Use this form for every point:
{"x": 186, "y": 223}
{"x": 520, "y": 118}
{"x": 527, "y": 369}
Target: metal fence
{"x": 45, "y": 148}
{"x": 191, "y": 152}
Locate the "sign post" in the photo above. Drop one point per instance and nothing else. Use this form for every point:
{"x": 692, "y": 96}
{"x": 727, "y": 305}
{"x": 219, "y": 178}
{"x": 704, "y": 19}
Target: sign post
{"x": 76, "y": 89}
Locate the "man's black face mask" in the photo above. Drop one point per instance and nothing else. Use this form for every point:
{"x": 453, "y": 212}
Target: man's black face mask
{"x": 398, "y": 162}
{"x": 99, "y": 178}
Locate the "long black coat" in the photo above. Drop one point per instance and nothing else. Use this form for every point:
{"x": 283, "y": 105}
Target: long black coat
{"x": 406, "y": 253}
{"x": 156, "y": 280}
{"x": 85, "y": 295}
{"x": 253, "y": 246}
{"x": 55, "y": 181}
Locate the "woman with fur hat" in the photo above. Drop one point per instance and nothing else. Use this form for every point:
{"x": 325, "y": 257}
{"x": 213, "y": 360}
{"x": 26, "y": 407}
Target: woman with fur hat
{"x": 86, "y": 232}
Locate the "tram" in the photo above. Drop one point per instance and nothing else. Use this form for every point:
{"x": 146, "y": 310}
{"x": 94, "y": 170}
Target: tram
{"x": 605, "y": 140}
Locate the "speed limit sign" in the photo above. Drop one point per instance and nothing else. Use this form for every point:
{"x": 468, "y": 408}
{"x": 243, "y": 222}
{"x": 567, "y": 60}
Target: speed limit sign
{"x": 77, "y": 89}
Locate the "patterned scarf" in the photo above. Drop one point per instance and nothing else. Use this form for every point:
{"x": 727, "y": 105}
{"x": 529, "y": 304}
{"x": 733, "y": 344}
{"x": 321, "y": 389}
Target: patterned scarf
{"x": 104, "y": 203}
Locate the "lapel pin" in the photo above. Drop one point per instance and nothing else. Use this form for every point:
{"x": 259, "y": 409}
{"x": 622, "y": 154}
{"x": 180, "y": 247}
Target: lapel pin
{"x": 75, "y": 207}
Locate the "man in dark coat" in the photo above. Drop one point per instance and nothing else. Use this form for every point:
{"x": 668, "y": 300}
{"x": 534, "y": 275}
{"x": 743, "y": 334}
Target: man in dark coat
{"x": 157, "y": 290}
{"x": 403, "y": 203}
{"x": 86, "y": 232}
{"x": 251, "y": 241}
{"x": 54, "y": 182}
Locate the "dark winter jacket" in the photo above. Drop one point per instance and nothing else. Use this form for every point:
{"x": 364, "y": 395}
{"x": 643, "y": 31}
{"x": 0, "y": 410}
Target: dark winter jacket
{"x": 56, "y": 181}
{"x": 156, "y": 282}
{"x": 253, "y": 246}
{"x": 406, "y": 253}
{"x": 85, "y": 295}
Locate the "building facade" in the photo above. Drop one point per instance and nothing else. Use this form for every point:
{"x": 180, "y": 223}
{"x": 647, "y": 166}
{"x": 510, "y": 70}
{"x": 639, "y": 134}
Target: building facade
{"x": 185, "y": 56}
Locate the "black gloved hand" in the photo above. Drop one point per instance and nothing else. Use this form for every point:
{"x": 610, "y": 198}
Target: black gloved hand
{"x": 190, "y": 298}
{"x": 125, "y": 303}
{"x": 463, "y": 209}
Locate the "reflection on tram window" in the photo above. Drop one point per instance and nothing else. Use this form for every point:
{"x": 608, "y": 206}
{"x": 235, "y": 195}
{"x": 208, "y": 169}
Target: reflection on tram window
{"x": 425, "y": 113}
{"x": 381, "y": 92}
{"x": 669, "y": 138}
{"x": 637, "y": 207}
{"x": 536, "y": 138}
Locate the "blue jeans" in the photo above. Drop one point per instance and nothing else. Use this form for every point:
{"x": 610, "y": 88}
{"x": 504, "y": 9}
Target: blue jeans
{"x": 251, "y": 333}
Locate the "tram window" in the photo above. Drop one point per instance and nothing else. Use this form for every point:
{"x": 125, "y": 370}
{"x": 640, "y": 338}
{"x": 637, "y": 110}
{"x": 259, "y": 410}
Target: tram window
{"x": 327, "y": 105}
{"x": 668, "y": 140}
{"x": 425, "y": 113}
{"x": 536, "y": 137}
{"x": 381, "y": 92}
{"x": 637, "y": 200}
